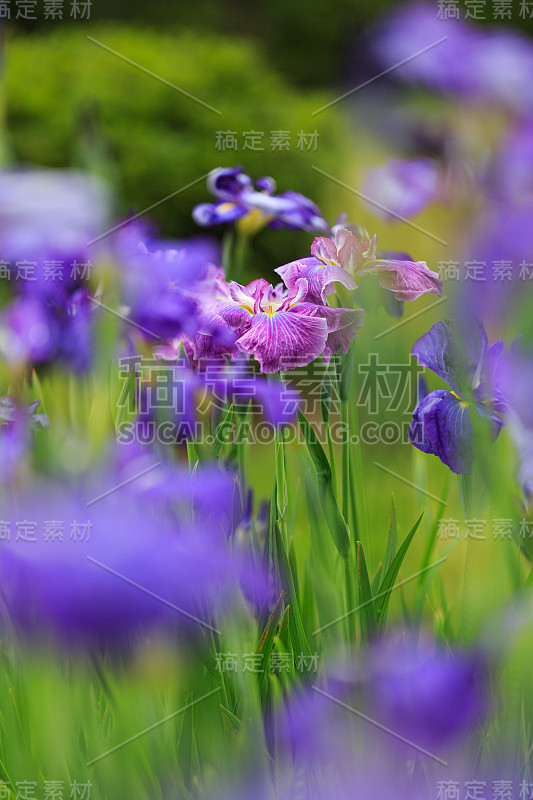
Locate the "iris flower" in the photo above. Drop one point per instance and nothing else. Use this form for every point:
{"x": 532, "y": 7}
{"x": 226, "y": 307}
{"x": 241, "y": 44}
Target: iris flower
{"x": 238, "y": 198}
{"x": 442, "y": 422}
{"x": 282, "y": 328}
{"x": 402, "y": 187}
{"x": 63, "y": 579}
{"x": 350, "y": 255}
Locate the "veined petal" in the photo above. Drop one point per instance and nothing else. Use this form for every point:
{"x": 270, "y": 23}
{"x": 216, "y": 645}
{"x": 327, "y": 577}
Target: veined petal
{"x": 351, "y": 249}
{"x": 296, "y": 269}
{"x": 284, "y": 340}
{"x": 343, "y": 324}
{"x": 321, "y": 278}
{"x": 409, "y": 280}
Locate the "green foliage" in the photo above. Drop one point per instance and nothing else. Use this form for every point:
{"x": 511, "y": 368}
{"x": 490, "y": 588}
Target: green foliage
{"x": 70, "y": 101}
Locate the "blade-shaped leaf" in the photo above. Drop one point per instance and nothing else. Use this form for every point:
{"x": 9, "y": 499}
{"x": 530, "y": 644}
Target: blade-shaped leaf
{"x": 366, "y": 603}
{"x": 336, "y": 523}
{"x": 387, "y": 584}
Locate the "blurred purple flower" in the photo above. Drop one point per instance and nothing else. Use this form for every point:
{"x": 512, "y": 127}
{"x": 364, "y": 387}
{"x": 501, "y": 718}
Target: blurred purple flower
{"x": 48, "y": 219}
{"x": 442, "y": 425}
{"x": 51, "y": 585}
{"x": 28, "y": 332}
{"x": 16, "y": 425}
{"x": 237, "y": 199}
{"x": 482, "y": 65}
{"x": 515, "y": 375}
{"x": 402, "y": 188}
{"x": 157, "y": 285}
{"x": 425, "y": 694}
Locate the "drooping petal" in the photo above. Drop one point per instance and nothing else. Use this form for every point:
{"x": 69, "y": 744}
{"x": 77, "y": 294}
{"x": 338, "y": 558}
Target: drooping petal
{"x": 207, "y": 214}
{"x": 409, "y": 280}
{"x": 284, "y": 340}
{"x": 441, "y": 426}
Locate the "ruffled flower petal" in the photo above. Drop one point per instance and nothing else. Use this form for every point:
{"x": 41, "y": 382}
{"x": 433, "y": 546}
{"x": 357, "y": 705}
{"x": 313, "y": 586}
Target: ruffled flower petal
{"x": 409, "y": 280}
{"x": 321, "y": 278}
{"x": 284, "y": 340}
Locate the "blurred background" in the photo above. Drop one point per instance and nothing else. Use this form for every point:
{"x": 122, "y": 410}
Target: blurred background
{"x": 68, "y": 101}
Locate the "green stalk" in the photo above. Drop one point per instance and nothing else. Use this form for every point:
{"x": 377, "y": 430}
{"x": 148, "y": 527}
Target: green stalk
{"x": 349, "y": 582}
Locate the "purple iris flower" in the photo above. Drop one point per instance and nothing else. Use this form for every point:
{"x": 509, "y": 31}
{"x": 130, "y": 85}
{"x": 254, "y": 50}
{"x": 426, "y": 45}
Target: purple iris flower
{"x": 16, "y": 425}
{"x": 48, "y": 218}
{"x": 402, "y": 188}
{"x": 28, "y": 331}
{"x": 37, "y": 331}
{"x": 515, "y": 375}
{"x": 108, "y": 571}
{"x": 238, "y": 198}
{"x": 283, "y": 328}
{"x": 351, "y": 255}
{"x": 481, "y": 65}
{"x": 425, "y": 694}
{"x": 163, "y": 282}
{"x": 442, "y": 424}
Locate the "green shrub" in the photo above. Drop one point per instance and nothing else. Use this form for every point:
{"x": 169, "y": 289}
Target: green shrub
{"x": 69, "y": 101}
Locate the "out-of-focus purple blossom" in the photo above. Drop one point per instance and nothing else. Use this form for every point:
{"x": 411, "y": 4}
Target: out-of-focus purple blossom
{"x": 212, "y": 383}
{"x": 237, "y": 198}
{"x": 511, "y": 175}
{"x": 515, "y": 375}
{"x": 350, "y": 255}
{"x": 442, "y": 425}
{"x": 28, "y": 331}
{"x": 425, "y": 694}
{"x": 16, "y": 425}
{"x": 481, "y": 65}
{"x": 402, "y": 188}
{"x": 48, "y": 218}
{"x": 111, "y": 569}
{"x": 499, "y": 257}
{"x": 277, "y": 401}
{"x": 36, "y": 331}
{"x": 164, "y": 282}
